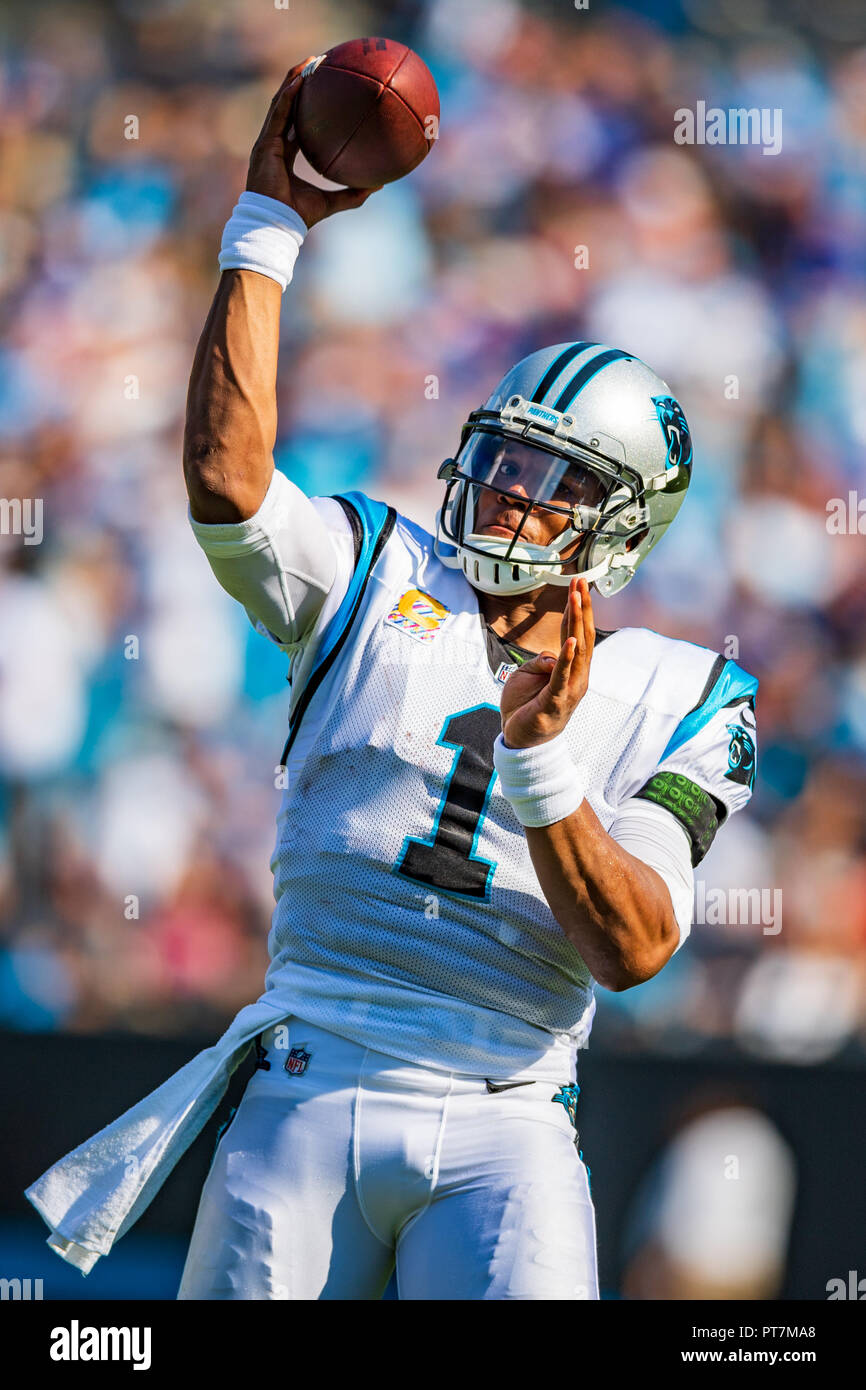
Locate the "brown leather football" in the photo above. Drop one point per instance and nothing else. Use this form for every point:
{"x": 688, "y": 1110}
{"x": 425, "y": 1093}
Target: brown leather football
{"x": 367, "y": 112}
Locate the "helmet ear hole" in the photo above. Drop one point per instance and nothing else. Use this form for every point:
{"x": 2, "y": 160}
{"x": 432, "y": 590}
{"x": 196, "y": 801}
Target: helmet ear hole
{"x": 636, "y": 540}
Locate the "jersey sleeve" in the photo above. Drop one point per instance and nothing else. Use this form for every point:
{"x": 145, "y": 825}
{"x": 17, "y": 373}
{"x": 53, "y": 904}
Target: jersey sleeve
{"x": 707, "y": 770}
{"x": 655, "y": 837}
{"x": 705, "y": 773}
{"x": 284, "y": 562}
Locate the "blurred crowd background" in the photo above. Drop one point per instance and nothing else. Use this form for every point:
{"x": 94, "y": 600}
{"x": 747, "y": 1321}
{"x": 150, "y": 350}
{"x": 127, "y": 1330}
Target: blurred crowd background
{"x": 141, "y": 718}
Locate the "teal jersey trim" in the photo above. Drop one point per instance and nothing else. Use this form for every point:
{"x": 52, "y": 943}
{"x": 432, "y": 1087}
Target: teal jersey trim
{"x": 377, "y": 522}
{"x": 373, "y": 516}
{"x": 732, "y": 684}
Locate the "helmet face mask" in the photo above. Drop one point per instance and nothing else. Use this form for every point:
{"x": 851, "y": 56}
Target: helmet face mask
{"x": 492, "y": 463}
{"x": 540, "y": 463}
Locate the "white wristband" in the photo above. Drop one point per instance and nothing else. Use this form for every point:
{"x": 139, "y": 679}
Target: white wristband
{"x": 543, "y": 784}
{"x": 264, "y": 235}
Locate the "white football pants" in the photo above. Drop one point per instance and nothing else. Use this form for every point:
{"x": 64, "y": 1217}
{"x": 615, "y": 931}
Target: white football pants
{"x": 325, "y": 1179}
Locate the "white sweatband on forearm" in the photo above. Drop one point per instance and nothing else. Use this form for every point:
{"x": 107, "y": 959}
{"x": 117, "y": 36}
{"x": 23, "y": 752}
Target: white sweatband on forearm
{"x": 543, "y": 784}
{"x": 264, "y": 235}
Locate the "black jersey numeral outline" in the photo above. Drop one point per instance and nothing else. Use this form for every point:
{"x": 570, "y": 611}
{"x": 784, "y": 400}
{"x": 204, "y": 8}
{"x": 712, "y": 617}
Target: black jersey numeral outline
{"x": 446, "y": 859}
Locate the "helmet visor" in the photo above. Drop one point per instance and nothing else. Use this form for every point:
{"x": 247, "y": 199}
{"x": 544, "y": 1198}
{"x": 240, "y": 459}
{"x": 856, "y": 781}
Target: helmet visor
{"x": 538, "y": 475}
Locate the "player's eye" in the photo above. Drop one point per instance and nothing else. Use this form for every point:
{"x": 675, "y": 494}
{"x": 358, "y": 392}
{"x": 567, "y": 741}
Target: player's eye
{"x": 508, "y": 470}
{"x": 579, "y": 487}
{"x": 569, "y": 489}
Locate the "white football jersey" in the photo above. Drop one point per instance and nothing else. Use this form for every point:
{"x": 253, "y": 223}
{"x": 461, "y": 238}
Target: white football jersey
{"x": 409, "y": 917}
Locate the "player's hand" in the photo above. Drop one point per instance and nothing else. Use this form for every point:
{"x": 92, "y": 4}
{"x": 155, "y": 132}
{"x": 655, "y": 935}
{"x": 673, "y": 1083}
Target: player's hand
{"x": 273, "y": 155}
{"x": 541, "y": 696}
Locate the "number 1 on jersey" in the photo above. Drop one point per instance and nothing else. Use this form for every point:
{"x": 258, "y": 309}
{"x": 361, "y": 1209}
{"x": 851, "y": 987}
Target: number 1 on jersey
{"x": 447, "y": 860}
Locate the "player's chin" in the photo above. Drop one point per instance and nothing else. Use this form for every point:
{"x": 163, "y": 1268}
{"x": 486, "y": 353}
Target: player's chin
{"x": 501, "y": 532}
{"x": 492, "y": 529}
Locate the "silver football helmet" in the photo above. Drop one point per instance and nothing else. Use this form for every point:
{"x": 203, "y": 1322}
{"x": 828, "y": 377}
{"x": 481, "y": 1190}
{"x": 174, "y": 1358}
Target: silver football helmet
{"x": 582, "y": 430}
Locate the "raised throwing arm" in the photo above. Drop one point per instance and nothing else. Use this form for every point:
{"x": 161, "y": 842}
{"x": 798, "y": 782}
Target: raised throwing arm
{"x": 231, "y": 416}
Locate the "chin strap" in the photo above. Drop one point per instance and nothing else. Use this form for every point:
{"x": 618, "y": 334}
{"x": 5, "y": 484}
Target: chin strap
{"x": 488, "y": 568}
{"x": 493, "y": 574}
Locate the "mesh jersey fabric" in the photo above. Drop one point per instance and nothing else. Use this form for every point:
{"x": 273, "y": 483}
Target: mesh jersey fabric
{"x": 408, "y": 914}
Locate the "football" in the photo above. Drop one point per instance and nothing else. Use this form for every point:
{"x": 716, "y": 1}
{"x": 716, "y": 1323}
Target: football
{"x": 367, "y": 112}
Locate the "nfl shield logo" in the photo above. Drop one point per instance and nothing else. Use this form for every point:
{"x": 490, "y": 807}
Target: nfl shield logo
{"x": 296, "y": 1062}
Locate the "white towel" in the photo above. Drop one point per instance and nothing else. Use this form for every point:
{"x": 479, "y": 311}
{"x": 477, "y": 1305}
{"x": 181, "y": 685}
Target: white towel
{"x": 92, "y": 1196}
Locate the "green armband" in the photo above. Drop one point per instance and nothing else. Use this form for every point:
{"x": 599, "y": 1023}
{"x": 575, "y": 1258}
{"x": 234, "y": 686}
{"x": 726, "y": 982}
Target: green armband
{"x": 697, "y": 811}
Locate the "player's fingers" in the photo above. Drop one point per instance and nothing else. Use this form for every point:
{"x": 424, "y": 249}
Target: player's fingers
{"x": 588, "y": 619}
{"x": 576, "y": 606}
{"x": 279, "y": 118}
{"x": 540, "y": 665}
{"x": 585, "y": 637}
{"x": 266, "y": 124}
{"x": 567, "y": 628}
{"x": 559, "y": 676}
{"x": 579, "y": 674}
{"x": 278, "y": 112}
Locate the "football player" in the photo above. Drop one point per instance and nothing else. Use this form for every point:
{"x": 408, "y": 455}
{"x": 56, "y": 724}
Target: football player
{"x": 488, "y": 806}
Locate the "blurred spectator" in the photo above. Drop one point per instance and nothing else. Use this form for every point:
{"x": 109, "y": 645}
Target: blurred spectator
{"x": 712, "y": 1218}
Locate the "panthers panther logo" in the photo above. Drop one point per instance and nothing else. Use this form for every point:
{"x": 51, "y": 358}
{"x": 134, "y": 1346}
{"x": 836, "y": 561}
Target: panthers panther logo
{"x": 741, "y": 756}
{"x": 567, "y": 1098}
{"x": 675, "y": 430}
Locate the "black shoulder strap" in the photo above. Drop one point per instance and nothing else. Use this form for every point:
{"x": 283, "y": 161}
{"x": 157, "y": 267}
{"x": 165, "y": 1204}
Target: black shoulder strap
{"x": 355, "y": 522}
{"x": 360, "y": 581}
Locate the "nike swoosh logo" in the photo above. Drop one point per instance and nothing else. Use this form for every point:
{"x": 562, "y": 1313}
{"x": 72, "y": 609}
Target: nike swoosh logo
{"x": 494, "y": 1086}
